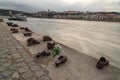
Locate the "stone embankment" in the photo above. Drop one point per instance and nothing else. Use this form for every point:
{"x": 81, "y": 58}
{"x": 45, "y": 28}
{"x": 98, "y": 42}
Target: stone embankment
{"x": 15, "y": 61}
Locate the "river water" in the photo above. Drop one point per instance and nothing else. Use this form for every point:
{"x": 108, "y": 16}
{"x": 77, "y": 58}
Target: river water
{"x": 89, "y": 37}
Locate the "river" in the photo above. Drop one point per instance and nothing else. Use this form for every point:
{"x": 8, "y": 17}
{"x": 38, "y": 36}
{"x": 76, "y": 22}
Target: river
{"x": 89, "y": 37}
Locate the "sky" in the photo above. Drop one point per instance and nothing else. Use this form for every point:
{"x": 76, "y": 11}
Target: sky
{"x": 61, "y": 5}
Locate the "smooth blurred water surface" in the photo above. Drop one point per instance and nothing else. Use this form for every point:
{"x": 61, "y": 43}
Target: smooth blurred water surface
{"x": 90, "y": 37}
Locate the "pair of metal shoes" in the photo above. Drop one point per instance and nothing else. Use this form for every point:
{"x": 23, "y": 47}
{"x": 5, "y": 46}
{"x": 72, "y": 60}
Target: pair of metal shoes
{"x": 47, "y": 38}
{"x": 61, "y": 60}
{"x": 27, "y": 34}
{"x": 14, "y": 30}
{"x": 43, "y": 54}
{"x": 32, "y": 41}
{"x": 102, "y": 63}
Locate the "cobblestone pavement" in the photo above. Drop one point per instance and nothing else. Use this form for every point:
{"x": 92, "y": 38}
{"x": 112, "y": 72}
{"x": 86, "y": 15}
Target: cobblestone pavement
{"x": 15, "y": 61}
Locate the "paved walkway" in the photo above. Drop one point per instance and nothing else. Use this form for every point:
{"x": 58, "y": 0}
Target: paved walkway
{"x": 15, "y": 61}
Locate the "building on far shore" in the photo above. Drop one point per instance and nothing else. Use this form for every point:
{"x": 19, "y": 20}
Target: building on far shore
{"x": 93, "y": 16}
{"x": 1, "y": 19}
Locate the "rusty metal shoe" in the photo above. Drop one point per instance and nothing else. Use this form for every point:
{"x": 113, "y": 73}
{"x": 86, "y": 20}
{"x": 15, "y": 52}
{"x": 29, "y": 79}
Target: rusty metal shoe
{"x": 61, "y": 60}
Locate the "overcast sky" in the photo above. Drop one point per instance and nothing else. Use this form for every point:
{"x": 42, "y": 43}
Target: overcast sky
{"x": 61, "y": 5}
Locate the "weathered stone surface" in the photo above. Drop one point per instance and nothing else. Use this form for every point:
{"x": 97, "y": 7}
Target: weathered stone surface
{"x": 27, "y": 75}
{"x": 15, "y": 75}
{"x": 16, "y": 56}
{"x": 23, "y": 69}
{"x": 15, "y": 61}
{"x": 31, "y": 63}
{"x": 21, "y": 64}
{"x": 35, "y": 68}
{"x": 1, "y": 64}
{"x": 32, "y": 78}
{"x": 3, "y": 55}
{"x": 12, "y": 67}
{"x": 7, "y": 64}
{"x": 3, "y": 60}
{"x": 19, "y": 60}
{"x": 39, "y": 73}
{"x": 7, "y": 74}
{"x": 44, "y": 78}
{"x": 26, "y": 56}
{"x": 1, "y": 76}
{"x": 2, "y": 68}
{"x": 28, "y": 59}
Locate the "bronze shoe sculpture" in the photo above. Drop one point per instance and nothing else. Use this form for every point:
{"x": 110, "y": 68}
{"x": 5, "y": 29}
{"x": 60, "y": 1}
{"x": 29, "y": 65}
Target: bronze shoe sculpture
{"x": 27, "y": 34}
{"x": 32, "y": 41}
{"x": 102, "y": 63}
{"x": 42, "y": 54}
{"x": 50, "y": 45}
{"x": 47, "y": 38}
{"x": 61, "y": 60}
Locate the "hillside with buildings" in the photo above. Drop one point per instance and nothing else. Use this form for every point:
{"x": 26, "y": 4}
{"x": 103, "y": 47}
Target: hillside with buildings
{"x": 5, "y": 12}
{"x": 92, "y": 16}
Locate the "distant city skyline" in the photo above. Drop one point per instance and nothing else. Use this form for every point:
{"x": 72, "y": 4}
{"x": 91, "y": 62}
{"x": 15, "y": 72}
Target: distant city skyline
{"x": 61, "y": 5}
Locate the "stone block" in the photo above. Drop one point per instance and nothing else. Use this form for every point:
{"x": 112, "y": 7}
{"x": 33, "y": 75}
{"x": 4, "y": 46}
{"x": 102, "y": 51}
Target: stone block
{"x": 16, "y": 56}
{"x": 39, "y": 73}
{"x": 27, "y": 75}
{"x": 35, "y": 68}
{"x": 15, "y": 75}
{"x": 23, "y": 69}
{"x": 21, "y": 64}
{"x": 44, "y": 78}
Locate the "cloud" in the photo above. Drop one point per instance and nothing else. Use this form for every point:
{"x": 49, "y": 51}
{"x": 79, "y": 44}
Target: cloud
{"x": 17, "y": 6}
{"x": 118, "y": 3}
{"x": 62, "y": 5}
